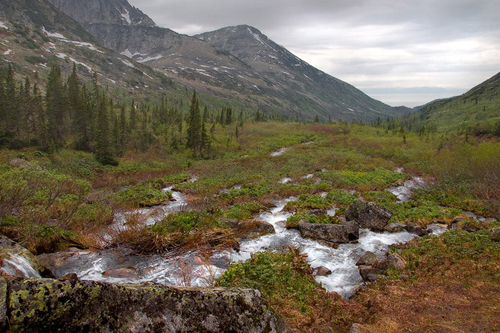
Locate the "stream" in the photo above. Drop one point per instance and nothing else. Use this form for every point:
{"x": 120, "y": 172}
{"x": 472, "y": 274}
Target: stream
{"x": 195, "y": 269}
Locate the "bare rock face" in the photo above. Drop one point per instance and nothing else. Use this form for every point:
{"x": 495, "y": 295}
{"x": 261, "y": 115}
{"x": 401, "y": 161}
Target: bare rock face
{"x": 47, "y": 305}
{"x": 368, "y": 215}
{"x": 329, "y": 233}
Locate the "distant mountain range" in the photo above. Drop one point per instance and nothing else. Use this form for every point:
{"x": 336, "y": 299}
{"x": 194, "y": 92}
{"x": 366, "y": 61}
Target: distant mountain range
{"x": 235, "y": 63}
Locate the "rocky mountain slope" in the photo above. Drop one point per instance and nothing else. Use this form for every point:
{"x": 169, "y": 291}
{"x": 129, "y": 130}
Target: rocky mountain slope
{"x": 34, "y": 37}
{"x": 236, "y": 62}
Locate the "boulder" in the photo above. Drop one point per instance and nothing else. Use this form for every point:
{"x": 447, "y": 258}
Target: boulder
{"x": 17, "y": 261}
{"x": 122, "y": 273}
{"x": 495, "y": 234}
{"x": 417, "y": 230}
{"x": 330, "y": 233}
{"x": 395, "y": 227}
{"x": 47, "y": 305}
{"x": 19, "y": 163}
{"x": 367, "y": 259}
{"x": 370, "y": 273}
{"x": 368, "y": 215}
{"x": 251, "y": 229}
{"x": 322, "y": 271}
{"x": 395, "y": 261}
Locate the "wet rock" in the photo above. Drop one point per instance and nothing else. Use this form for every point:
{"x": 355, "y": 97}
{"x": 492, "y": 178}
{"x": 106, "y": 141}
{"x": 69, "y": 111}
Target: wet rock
{"x": 69, "y": 277}
{"x": 467, "y": 224}
{"x": 367, "y": 259}
{"x": 122, "y": 273}
{"x": 56, "y": 260}
{"x": 18, "y": 261}
{"x": 251, "y": 229}
{"x": 395, "y": 227}
{"x": 48, "y": 305}
{"x": 330, "y": 233}
{"x": 495, "y": 234}
{"x": 369, "y": 273}
{"x": 417, "y": 230}
{"x": 368, "y": 215}
{"x": 372, "y": 267}
{"x": 322, "y": 271}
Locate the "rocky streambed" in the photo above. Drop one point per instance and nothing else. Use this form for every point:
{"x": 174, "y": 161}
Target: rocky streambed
{"x": 196, "y": 269}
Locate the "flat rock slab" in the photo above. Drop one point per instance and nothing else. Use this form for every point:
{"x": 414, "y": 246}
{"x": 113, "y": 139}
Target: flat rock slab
{"x": 49, "y": 305}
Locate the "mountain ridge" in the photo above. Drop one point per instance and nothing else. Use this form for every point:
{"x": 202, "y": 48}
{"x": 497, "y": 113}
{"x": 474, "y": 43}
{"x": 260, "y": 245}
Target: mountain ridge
{"x": 219, "y": 70}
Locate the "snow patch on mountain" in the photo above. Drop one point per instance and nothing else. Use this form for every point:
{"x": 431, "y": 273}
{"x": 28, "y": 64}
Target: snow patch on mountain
{"x": 129, "y": 54}
{"x": 128, "y": 63}
{"x": 53, "y": 34}
{"x": 126, "y": 16}
{"x": 3, "y": 26}
{"x": 149, "y": 58}
{"x": 62, "y": 38}
{"x": 257, "y": 37}
{"x": 9, "y": 51}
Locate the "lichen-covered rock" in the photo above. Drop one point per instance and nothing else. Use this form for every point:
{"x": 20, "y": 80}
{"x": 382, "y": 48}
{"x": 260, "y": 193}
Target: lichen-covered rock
{"x": 368, "y": 215}
{"x": 329, "y": 233}
{"x": 47, "y": 305}
{"x": 18, "y": 261}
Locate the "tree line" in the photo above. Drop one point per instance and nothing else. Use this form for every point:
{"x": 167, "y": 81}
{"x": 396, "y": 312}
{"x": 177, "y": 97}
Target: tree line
{"x": 78, "y": 115}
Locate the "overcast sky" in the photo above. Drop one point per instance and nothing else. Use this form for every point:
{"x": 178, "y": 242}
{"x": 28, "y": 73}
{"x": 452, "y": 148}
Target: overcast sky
{"x": 402, "y": 52}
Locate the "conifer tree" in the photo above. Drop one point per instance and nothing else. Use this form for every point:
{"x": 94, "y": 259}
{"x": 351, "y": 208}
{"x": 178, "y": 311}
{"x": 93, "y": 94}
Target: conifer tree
{"x": 103, "y": 151}
{"x": 54, "y": 100}
{"x": 194, "y": 125}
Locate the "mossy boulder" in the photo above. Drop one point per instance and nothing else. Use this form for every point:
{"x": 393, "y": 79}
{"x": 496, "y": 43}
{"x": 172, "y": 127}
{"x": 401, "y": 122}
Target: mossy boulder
{"x": 48, "y": 305}
{"x": 368, "y": 215}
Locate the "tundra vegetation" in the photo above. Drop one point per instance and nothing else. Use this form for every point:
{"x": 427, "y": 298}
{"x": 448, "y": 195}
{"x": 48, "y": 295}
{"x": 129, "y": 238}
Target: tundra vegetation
{"x": 72, "y": 157}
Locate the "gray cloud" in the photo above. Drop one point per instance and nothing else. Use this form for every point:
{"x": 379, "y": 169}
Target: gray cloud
{"x": 449, "y": 44}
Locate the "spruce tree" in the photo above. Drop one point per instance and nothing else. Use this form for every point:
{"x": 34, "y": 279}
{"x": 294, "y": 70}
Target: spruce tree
{"x": 194, "y": 125}
{"x": 54, "y": 100}
{"x": 103, "y": 150}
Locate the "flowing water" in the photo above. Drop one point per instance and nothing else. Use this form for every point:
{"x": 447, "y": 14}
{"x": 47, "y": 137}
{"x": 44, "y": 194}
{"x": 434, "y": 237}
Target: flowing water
{"x": 195, "y": 269}
{"x": 19, "y": 266}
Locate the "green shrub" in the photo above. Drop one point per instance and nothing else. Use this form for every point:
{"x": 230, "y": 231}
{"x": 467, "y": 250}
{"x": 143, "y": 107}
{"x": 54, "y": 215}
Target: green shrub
{"x": 307, "y": 202}
{"x": 244, "y": 211}
{"x": 293, "y": 220}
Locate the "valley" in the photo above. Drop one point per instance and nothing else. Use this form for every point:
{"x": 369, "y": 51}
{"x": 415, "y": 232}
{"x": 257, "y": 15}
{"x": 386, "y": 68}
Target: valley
{"x": 195, "y": 180}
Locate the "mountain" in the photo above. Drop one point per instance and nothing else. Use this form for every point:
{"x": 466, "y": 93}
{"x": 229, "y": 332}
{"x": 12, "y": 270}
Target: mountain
{"x": 237, "y": 63}
{"x": 294, "y": 80}
{"x": 476, "y": 112}
{"x": 34, "y": 36}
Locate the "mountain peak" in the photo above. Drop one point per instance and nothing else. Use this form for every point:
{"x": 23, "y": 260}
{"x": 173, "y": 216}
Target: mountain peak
{"x": 116, "y": 12}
